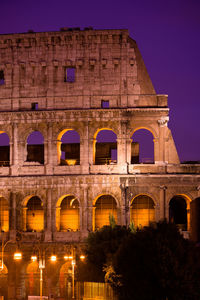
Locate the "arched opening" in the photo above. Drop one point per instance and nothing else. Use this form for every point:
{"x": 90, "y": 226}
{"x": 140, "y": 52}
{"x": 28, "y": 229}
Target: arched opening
{"x": 33, "y": 279}
{"x": 65, "y": 280}
{"x": 178, "y": 212}
{"x": 142, "y": 211}
{"x": 4, "y": 149}
{"x": 69, "y": 147}
{"x": 142, "y": 147}
{"x": 69, "y": 214}
{"x": 105, "y": 147}
{"x": 4, "y": 215}
{"x": 104, "y": 208}
{"x": 195, "y": 220}
{"x": 35, "y": 147}
{"x": 35, "y": 215}
{"x": 4, "y": 282}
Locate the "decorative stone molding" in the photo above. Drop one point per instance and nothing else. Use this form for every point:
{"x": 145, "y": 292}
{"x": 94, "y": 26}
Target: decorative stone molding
{"x": 163, "y": 121}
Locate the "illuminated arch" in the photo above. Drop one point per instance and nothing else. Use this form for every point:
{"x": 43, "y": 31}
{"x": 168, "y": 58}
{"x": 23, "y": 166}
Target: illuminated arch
{"x": 104, "y": 206}
{"x": 69, "y": 151}
{"x": 65, "y": 278}
{"x": 68, "y": 213}
{"x": 142, "y": 146}
{"x": 32, "y": 281}
{"x": 4, "y": 214}
{"x": 142, "y": 210}
{"x": 179, "y": 211}
{"x": 33, "y": 214}
{"x": 105, "y": 152}
{"x": 4, "y": 149}
{"x": 35, "y": 147}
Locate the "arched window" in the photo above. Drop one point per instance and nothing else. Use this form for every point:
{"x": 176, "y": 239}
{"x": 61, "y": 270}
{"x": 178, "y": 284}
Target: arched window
{"x": 4, "y": 149}
{"x": 4, "y": 215}
{"x": 142, "y": 147}
{"x": 69, "y": 148}
{"x": 35, "y": 214}
{"x": 178, "y": 212}
{"x": 69, "y": 214}
{"x": 105, "y": 148}
{"x": 35, "y": 147}
{"x": 65, "y": 279}
{"x": 195, "y": 220}
{"x": 33, "y": 279}
{"x": 105, "y": 208}
{"x": 2, "y": 78}
{"x": 142, "y": 211}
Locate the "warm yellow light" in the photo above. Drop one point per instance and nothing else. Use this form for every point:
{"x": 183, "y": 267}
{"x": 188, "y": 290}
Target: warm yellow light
{"x": 66, "y": 257}
{"x": 33, "y": 257}
{"x": 70, "y": 257}
{"x": 73, "y": 262}
{"x": 17, "y": 255}
{"x": 53, "y": 258}
{"x": 82, "y": 257}
{"x": 71, "y": 162}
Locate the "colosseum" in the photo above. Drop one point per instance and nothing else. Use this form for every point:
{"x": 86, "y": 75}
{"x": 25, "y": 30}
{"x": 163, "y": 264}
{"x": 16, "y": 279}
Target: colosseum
{"x": 71, "y": 104}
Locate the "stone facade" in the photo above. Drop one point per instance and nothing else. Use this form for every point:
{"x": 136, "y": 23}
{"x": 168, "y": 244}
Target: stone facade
{"x": 56, "y": 82}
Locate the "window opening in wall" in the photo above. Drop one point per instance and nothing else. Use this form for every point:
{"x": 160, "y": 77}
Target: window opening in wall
{"x": 178, "y": 212}
{"x": 2, "y": 79}
{"x": 142, "y": 147}
{"x": 70, "y": 74}
{"x": 69, "y": 214}
{"x": 35, "y": 214}
{"x": 105, "y": 148}
{"x": 35, "y": 147}
{"x": 34, "y": 106}
{"x": 195, "y": 220}
{"x": 105, "y": 207}
{"x": 104, "y": 103}
{"x": 142, "y": 211}
{"x": 70, "y": 148}
{"x": 4, "y": 150}
{"x": 4, "y": 215}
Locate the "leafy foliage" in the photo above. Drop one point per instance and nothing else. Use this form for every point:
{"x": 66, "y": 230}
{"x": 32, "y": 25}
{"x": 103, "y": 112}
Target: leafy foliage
{"x": 101, "y": 246}
{"x": 157, "y": 263}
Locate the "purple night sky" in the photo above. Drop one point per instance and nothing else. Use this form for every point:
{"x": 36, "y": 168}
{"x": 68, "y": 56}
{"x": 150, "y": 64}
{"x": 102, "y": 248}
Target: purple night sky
{"x": 168, "y": 36}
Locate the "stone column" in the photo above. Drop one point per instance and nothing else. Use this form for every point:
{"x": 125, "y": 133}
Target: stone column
{"x": 122, "y": 154}
{"x": 14, "y": 150}
{"x": 48, "y": 232}
{"x": 48, "y": 151}
{"x": 12, "y": 217}
{"x": 90, "y": 217}
{"x": 24, "y": 218}
{"x": 125, "y": 213}
{"x": 84, "y": 208}
{"x": 128, "y": 150}
{"x": 91, "y": 150}
{"x": 162, "y": 122}
{"x": 163, "y": 202}
{"x": 57, "y": 218}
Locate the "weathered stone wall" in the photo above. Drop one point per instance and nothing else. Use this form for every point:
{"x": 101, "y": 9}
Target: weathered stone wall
{"x": 36, "y": 96}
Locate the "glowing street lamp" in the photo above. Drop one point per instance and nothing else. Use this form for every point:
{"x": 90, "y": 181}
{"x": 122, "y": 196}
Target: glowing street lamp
{"x": 17, "y": 254}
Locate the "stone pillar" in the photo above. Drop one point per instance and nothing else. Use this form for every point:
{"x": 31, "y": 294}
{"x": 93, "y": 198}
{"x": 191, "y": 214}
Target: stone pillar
{"x": 90, "y": 217}
{"x": 125, "y": 213}
{"x": 14, "y": 150}
{"x": 91, "y": 150}
{"x": 57, "y": 217}
{"x": 12, "y": 217}
{"x": 24, "y": 218}
{"x": 156, "y": 150}
{"x": 48, "y": 232}
{"x": 84, "y": 208}
{"x": 128, "y": 150}
{"x": 162, "y": 202}
{"x": 48, "y": 151}
{"x": 162, "y": 122}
